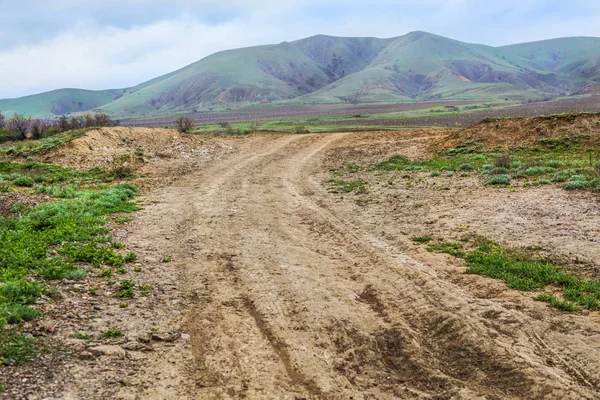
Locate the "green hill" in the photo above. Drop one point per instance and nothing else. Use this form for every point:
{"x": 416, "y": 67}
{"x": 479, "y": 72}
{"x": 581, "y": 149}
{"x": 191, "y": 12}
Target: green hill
{"x": 58, "y": 102}
{"x": 323, "y": 69}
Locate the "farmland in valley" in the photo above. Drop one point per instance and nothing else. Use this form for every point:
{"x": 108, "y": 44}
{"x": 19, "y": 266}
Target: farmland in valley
{"x": 321, "y": 118}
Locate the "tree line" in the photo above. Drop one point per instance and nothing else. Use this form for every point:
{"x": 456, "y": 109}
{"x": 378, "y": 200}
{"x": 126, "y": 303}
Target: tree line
{"x": 20, "y": 127}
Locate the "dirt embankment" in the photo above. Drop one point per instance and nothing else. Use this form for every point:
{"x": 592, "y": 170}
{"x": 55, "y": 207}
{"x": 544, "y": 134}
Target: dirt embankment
{"x": 161, "y": 155}
{"x": 515, "y": 132}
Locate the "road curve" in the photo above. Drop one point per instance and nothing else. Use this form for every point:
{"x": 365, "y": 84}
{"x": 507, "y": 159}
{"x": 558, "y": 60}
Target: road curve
{"x": 291, "y": 298}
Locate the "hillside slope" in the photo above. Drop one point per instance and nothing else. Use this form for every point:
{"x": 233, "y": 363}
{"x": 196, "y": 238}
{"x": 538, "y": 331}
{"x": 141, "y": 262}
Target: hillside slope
{"x": 321, "y": 69}
{"x": 58, "y": 102}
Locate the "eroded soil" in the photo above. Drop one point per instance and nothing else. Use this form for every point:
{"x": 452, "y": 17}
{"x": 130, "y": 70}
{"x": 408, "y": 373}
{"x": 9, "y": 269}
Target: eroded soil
{"x": 278, "y": 289}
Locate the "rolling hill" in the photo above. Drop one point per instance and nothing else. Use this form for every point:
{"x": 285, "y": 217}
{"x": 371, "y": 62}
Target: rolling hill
{"x": 322, "y": 69}
{"x": 58, "y": 102}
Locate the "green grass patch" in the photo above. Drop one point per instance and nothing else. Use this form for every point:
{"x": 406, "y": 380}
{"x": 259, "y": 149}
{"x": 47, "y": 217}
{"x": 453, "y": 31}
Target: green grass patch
{"x": 113, "y": 333}
{"x": 422, "y": 239}
{"x": 32, "y": 147}
{"x": 452, "y": 248}
{"x": 50, "y": 179}
{"x": 358, "y": 186}
{"x": 522, "y": 272}
{"x": 81, "y": 336}
{"x": 554, "y": 302}
{"x": 54, "y": 241}
{"x": 16, "y": 349}
{"x": 125, "y": 290}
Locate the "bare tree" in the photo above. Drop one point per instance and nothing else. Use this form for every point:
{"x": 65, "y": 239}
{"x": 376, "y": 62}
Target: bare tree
{"x": 184, "y": 124}
{"x": 75, "y": 123}
{"x": 35, "y": 128}
{"x": 89, "y": 120}
{"x": 18, "y": 125}
{"x": 2, "y": 122}
{"x": 103, "y": 120}
{"x": 39, "y": 128}
{"x": 63, "y": 123}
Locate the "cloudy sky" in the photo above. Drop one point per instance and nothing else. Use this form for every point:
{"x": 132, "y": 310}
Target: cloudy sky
{"x": 100, "y": 44}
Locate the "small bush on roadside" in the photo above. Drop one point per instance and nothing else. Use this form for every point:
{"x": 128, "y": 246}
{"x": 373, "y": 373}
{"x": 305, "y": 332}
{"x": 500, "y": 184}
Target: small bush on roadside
{"x": 298, "y": 129}
{"x": 502, "y": 161}
{"x": 184, "y": 124}
{"x": 498, "y": 180}
{"x": 576, "y": 182}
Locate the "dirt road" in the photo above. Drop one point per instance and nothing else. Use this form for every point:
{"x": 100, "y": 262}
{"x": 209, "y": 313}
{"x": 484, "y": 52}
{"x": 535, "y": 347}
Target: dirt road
{"x": 286, "y": 296}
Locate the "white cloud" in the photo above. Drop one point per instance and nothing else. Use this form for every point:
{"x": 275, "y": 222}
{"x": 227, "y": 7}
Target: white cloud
{"x": 147, "y": 38}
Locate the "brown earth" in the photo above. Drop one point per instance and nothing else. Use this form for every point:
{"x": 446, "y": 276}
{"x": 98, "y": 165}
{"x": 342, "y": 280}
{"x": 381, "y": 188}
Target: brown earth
{"x": 278, "y": 289}
{"x": 514, "y": 132}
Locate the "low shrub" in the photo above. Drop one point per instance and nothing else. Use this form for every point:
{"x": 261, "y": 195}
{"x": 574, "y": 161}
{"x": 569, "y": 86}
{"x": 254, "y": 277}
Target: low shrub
{"x": 499, "y": 171}
{"x": 536, "y": 171}
{"x": 24, "y": 181}
{"x": 498, "y": 180}
{"x": 502, "y": 161}
{"x": 299, "y": 129}
{"x": 561, "y": 176}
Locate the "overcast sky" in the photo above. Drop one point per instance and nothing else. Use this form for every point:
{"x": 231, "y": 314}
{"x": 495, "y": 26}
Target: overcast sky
{"x": 101, "y": 44}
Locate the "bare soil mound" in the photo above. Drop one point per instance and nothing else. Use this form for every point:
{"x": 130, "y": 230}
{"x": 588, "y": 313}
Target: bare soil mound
{"x": 515, "y": 132}
{"x": 100, "y": 148}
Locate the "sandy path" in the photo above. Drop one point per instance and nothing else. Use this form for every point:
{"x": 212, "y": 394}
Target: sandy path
{"x": 288, "y": 297}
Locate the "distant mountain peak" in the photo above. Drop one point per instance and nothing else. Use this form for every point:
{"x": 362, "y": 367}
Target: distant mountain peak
{"x": 419, "y": 66}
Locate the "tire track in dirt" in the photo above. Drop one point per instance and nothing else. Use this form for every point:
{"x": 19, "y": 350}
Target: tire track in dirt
{"x": 292, "y": 298}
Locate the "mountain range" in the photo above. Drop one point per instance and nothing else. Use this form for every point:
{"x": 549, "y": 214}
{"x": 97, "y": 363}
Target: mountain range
{"x": 416, "y": 67}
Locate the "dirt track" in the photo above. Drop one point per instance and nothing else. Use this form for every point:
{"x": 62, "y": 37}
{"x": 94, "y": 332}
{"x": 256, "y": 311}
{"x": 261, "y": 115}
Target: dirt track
{"x": 285, "y": 295}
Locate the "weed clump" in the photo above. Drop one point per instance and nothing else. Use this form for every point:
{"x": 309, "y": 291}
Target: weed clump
{"x": 341, "y": 186}
{"x": 300, "y": 129}
{"x": 576, "y": 182}
{"x": 502, "y": 161}
{"x": 536, "y": 171}
{"x": 498, "y": 180}
{"x": 561, "y": 176}
{"x": 113, "y": 333}
{"x": 422, "y": 239}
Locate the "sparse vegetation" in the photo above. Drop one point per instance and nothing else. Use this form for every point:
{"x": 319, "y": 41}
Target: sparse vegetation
{"x": 520, "y": 271}
{"x": 561, "y": 161}
{"x": 298, "y": 129}
{"x": 452, "y": 248}
{"x": 52, "y": 241}
{"x": 113, "y": 333}
{"x": 81, "y": 336}
{"x": 341, "y": 186}
{"x": 422, "y": 239}
{"x": 498, "y": 180}
{"x": 15, "y": 348}
{"x": 184, "y": 124}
